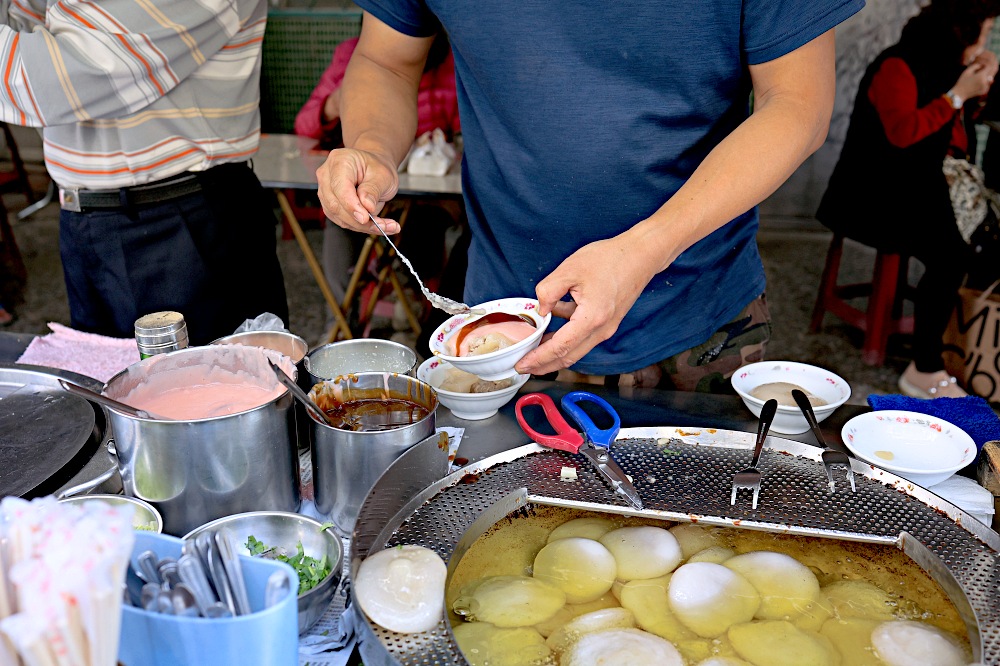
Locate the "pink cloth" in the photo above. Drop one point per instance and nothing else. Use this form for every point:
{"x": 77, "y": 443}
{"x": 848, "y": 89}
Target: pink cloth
{"x": 437, "y": 99}
{"x": 96, "y": 356}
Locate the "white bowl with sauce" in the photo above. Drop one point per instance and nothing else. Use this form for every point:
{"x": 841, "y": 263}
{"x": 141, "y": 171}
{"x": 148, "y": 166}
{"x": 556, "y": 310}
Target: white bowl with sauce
{"x": 923, "y": 449}
{"x": 468, "y": 406}
{"x": 751, "y": 381}
{"x": 494, "y": 365}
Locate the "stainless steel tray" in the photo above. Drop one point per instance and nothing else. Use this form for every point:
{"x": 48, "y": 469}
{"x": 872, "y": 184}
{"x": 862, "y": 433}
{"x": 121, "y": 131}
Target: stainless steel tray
{"x": 682, "y": 474}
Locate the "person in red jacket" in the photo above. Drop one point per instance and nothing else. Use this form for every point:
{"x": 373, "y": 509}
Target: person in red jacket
{"x": 437, "y": 104}
{"x": 437, "y": 101}
{"x": 916, "y": 104}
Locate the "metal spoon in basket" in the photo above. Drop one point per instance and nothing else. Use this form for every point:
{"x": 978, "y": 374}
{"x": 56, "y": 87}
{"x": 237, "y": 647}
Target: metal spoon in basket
{"x": 438, "y": 301}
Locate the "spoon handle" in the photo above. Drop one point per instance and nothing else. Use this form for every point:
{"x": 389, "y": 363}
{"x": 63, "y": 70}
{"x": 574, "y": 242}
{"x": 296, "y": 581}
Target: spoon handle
{"x": 110, "y": 403}
{"x": 300, "y": 394}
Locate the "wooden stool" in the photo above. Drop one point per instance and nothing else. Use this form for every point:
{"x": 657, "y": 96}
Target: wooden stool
{"x": 885, "y": 293}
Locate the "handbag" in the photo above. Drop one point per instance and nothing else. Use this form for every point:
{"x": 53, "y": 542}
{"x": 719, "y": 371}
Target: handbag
{"x": 977, "y": 216}
{"x": 970, "y": 198}
{"x": 972, "y": 341}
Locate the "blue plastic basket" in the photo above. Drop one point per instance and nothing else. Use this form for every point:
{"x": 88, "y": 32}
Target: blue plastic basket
{"x": 266, "y": 636}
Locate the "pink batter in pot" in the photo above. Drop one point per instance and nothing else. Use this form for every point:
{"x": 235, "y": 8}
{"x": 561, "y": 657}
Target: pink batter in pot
{"x": 205, "y": 390}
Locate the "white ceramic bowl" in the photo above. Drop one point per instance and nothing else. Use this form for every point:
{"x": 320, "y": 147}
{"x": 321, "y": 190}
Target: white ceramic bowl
{"x": 789, "y": 419}
{"x": 495, "y": 365}
{"x": 923, "y": 449}
{"x": 468, "y": 406}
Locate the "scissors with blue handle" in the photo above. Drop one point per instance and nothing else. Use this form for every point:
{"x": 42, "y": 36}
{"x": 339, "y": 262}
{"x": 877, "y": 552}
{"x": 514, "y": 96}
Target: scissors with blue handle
{"x": 594, "y": 445}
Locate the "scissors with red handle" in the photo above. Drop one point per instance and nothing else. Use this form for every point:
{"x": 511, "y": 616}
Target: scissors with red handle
{"x": 594, "y": 444}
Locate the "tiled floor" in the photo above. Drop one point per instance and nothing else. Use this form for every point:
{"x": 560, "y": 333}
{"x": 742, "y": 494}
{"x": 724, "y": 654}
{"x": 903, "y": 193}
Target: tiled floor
{"x": 793, "y": 252}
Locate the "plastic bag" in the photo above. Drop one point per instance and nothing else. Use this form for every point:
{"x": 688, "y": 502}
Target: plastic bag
{"x": 432, "y": 155}
{"x": 262, "y": 322}
{"x": 967, "y": 495}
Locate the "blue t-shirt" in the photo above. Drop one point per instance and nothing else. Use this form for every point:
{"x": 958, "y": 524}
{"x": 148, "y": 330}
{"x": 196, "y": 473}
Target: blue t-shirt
{"x": 582, "y": 118}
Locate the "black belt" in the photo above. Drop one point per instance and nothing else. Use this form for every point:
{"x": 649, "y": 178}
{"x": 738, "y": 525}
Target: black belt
{"x": 160, "y": 191}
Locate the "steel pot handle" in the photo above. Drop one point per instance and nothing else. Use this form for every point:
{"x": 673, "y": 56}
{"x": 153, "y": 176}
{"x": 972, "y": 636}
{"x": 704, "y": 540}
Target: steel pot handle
{"x": 96, "y": 481}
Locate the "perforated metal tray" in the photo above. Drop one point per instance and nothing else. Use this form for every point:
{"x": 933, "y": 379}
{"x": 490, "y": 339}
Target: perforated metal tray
{"x": 682, "y": 474}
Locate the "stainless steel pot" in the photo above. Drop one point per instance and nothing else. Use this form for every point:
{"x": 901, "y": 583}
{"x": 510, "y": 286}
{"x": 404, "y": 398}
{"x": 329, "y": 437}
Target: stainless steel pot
{"x": 194, "y": 471}
{"x": 359, "y": 355}
{"x": 292, "y": 346}
{"x": 345, "y": 463}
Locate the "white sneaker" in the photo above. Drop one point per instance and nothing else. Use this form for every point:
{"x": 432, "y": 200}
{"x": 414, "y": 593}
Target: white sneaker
{"x": 929, "y": 385}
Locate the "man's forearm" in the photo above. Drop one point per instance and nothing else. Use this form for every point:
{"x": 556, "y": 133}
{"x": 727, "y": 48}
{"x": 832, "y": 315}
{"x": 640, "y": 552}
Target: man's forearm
{"x": 378, "y": 110}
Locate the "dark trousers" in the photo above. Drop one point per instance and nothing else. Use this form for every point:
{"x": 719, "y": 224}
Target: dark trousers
{"x": 945, "y": 256}
{"x": 209, "y": 255}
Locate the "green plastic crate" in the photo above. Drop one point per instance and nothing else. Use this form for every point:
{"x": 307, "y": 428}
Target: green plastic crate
{"x": 298, "y": 45}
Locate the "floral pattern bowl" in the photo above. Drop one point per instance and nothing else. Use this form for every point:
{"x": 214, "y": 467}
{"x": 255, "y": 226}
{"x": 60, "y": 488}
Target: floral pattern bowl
{"x": 467, "y": 406}
{"x": 920, "y": 448}
{"x": 497, "y": 365}
{"x": 789, "y": 419}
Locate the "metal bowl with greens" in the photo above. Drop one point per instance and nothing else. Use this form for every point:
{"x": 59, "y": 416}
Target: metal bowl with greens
{"x": 310, "y": 547}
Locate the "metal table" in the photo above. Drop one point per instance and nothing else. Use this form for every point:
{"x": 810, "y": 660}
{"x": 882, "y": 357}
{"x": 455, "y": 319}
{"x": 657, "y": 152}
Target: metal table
{"x": 637, "y": 408}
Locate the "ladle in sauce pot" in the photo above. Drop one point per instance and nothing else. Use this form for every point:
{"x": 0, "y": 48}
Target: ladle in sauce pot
{"x": 301, "y": 395}
{"x": 110, "y": 403}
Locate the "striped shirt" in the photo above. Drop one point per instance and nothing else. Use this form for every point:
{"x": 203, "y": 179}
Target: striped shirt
{"x": 132, "y": 91}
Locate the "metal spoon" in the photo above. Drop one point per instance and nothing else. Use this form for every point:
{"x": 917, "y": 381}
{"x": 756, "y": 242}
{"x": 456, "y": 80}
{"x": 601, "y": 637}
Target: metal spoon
{"x": 149, "y": 567}
{"x": 438, "y": 301}
{"x": 193, "y": 576}
{"x": 110, "y": 403}
{"x": 234, "y": 571}
{"x": 301, "y": 395}
{"x": 184, "y": 602}
{"x": 217, "y": 609}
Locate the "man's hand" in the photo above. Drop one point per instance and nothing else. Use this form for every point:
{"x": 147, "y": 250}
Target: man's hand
{"x": 604, "y": 280}
{"x": 353, "y": 183}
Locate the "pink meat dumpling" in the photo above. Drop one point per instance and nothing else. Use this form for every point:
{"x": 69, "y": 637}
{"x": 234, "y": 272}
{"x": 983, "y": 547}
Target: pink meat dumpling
{"x": 489, "y": 338}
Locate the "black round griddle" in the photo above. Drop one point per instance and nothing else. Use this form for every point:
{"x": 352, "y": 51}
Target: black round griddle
{"x": 46, "y": 434}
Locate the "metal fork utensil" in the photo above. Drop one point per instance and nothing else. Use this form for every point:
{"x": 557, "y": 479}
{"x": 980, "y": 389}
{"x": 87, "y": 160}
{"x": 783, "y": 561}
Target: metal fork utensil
{"x": 438, "y": 301}
{"x": 832, "y": 459}
{"x": 749, "y": 477}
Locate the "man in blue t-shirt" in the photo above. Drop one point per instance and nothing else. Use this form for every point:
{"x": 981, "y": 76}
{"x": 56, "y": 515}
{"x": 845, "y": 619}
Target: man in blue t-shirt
{"x": 612, "y": 166}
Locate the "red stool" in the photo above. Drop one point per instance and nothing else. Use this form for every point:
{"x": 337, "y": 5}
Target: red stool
{"x": 885, "y": 293}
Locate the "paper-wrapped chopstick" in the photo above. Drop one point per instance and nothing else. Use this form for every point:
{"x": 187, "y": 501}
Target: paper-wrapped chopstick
{"x": 61, "y": 573}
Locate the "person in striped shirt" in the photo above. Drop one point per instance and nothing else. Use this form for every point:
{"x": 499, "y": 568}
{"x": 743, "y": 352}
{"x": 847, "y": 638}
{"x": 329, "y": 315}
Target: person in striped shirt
{"x": 149, "y": 115}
